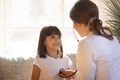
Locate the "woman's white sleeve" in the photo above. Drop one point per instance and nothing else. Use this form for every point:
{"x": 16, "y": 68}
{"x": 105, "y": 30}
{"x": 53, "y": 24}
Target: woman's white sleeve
{"x": 85, "y": 62}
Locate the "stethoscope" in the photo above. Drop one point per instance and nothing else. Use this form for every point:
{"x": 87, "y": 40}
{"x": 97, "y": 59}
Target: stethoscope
{"x": 75, "y": 35}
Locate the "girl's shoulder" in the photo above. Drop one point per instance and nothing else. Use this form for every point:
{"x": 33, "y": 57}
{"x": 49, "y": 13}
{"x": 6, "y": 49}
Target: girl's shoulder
{"x": 65, "y": 56}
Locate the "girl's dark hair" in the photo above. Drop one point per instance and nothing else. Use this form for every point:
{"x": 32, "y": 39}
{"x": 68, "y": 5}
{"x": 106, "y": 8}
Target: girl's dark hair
{"x": 47, "y": 31}
{"x": 85, "y": 10}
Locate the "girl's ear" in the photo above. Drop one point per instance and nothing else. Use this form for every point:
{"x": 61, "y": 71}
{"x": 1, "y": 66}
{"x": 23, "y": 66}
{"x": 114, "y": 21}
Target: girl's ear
{"x": 44, "y": 42}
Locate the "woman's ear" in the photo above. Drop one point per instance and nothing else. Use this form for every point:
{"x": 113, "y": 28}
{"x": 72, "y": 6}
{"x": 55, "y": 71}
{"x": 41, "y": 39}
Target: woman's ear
{"x": 76, "y": 26}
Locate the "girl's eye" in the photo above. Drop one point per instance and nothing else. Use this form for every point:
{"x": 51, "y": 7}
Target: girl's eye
{"x": 59, "y": 36}
{"x": 52, "y": 36}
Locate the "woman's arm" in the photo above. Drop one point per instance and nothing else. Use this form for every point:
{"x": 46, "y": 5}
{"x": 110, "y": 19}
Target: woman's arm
{"x": 85, "y": 63}
{"x": 35, "y": 73}
{"x": 69, "y": 73}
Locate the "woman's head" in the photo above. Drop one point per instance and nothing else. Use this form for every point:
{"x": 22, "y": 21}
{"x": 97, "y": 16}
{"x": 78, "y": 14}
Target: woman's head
{"x": 83, "y": 11}
{"x": 46, "y": 32}
{"x": 86, "y": 13}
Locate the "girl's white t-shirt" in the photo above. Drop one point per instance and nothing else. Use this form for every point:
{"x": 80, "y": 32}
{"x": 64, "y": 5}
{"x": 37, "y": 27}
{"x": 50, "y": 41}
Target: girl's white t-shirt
{"x": 50, "y": 67}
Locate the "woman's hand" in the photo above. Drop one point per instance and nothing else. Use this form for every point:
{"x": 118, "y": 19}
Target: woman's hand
{"x": 68, "y": 74}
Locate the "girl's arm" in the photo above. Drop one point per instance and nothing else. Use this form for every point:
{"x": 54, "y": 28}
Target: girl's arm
{"x": 35, "y": 73}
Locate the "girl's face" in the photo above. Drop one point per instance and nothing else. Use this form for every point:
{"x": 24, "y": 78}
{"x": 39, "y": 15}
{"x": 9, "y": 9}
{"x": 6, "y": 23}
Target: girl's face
{"x": 82, "y": 29}
{"x": 53, "y": 43}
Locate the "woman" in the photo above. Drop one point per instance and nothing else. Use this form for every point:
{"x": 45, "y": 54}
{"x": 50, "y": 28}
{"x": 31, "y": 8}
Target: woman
{"x": 98, "y": 56}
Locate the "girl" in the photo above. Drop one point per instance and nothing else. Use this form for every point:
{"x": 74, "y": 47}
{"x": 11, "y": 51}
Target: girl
{"x": 98, "y": 56}
{"x": 50, "y": 58}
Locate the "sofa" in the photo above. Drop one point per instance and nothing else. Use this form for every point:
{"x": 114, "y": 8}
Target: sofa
{"x": 19, "y": 68}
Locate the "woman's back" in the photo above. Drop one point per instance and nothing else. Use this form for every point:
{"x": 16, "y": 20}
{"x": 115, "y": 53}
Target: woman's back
{"x": 107, "y": 57}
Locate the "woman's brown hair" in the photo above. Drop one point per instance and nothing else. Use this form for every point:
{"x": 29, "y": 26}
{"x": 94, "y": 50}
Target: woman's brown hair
{"x": 86, "y": 12}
